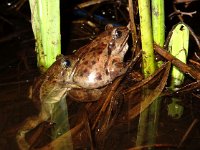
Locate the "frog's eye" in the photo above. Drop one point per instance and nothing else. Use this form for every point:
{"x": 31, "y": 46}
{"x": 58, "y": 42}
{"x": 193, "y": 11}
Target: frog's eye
{"x": 67, "y": 63}
{"x": 118, "y": 34}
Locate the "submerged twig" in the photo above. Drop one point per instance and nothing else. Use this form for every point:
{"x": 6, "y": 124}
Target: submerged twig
{"x": 89, "y": 3}
{"x": 6, "y": 20}
{"x": 187, "y": 132}
{"x": 195, "y": 95}
{"x": 108, "y": 98}
{"x": 144, "y": 82}
{"x": 153, "y": 146}
{"x": 14, "y": 83}
{"x": 151, "y": 96}
{"x": 43, "y": 128}
{"x": 62, "y": 140}
{"x": 184, "y": 89}
{"x": 13, "y": 35}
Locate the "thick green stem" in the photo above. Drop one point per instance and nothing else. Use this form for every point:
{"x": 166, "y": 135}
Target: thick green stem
{"x": 146, "y": 37}
{"x": 46, "y": 27}
{"x": 45, "y": 17}
{"x": 158, "y": 26}
{"x": 158, "y": 22}
{"x": 147, "y": 57}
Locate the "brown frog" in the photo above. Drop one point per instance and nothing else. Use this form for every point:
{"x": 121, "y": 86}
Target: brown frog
{"x": 92, "y": 66}
{"x": 101, "y": 61}
{"x": 49, "y": 88}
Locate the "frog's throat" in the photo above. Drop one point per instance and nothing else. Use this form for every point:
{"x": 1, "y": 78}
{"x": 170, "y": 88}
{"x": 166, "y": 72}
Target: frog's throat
{"x": 74, "y": 70}
{"x": 123, "y": 48}
{"x": 121, "y": 64}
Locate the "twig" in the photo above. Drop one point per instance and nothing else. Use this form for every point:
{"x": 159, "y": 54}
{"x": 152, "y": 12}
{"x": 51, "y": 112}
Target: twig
{"x": 183, "y": 1}
{"x": 179, "y": 64}
{"x": 195, "y": 95}
{"x": 187, "y": 132}
{"x": 13, "y": 83}
{"x": 149, "y": 99}
{"x": 108, "y": 98}
{"x": 182, "y": 13}
{"x": 132, "y": 23}
{"x": 154, "y": 145}
{"x": 196, "y": 55}
{"x": 20, "y": 4}
{"x": 13, "y": 35}
{"x": 197, "y": 64}
{"x": 194, "y": 36}
{"x": 185, "y": 89}
{"x": 89, "y": 3}
{"x": 179, "y": 16}
{"x": 61, "y": 139}
{"x": 144, "y": 82}
{"x": 6, "y": 20}
{"x": 186, "y": 2}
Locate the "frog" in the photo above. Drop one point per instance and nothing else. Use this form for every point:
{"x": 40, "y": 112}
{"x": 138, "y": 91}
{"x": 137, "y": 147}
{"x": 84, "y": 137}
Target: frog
{"x": 94, "y": 72}
{"x": 92, "y": 67}
{"x": 47, "y": 90}
{"x": 102, "y": 60}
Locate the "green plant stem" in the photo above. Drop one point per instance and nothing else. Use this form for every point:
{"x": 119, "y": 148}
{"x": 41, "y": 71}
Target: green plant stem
{"x": 45, "y": 17}
{"x": 158, "y": 22}
{"x": 158, "y": 26}
{"x": 147, "y": 58}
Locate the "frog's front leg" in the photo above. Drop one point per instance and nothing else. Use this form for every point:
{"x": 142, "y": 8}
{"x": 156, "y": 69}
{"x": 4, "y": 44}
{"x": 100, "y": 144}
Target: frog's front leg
{"x": 30, "y": 123}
